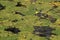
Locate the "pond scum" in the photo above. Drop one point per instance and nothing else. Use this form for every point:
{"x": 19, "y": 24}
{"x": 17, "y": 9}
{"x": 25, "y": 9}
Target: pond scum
{"x": 29, "y": 19}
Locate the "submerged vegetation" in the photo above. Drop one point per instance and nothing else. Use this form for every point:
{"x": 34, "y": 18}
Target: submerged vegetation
{"x": 29, "y": 20}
